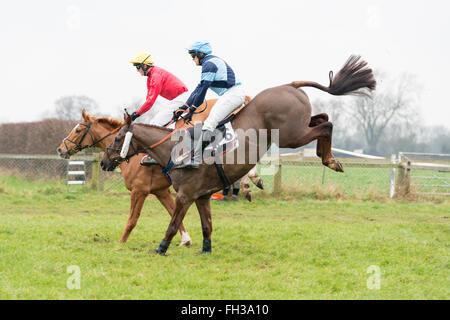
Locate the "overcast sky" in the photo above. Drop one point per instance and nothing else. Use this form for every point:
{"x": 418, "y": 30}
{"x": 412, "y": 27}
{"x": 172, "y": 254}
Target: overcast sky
{"x": 54, "y": 48}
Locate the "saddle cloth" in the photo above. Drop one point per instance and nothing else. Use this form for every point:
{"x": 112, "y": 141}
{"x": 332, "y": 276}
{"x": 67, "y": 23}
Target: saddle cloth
{"x": 227, "y": 143}
{"x": 225, "y": 134}
{"x": 225, "y": 140}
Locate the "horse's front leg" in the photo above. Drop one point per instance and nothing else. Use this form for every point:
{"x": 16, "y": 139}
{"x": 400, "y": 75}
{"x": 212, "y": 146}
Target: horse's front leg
{"x": 137, "y": 201}
{"x": 167, "y": 201}
{"x": 204, "y": 209}
{"x": 182, "y": 204}
{"x": 256, "y": 179}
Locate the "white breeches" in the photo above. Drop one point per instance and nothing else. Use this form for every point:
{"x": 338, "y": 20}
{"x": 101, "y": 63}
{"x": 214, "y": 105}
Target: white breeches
{"x": 164, "y": 112}
{"x": 227, "y": 103}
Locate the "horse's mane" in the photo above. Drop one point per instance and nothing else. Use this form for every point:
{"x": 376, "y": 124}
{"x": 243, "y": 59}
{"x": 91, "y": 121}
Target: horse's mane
{"x": 154, "y": 126}
{"x": 112, "y": 122}
{"x": 117, "y": 123}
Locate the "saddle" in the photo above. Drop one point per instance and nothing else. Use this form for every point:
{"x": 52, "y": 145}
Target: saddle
{"x": 225, "y": 138}
{"x": 203, "y": 113}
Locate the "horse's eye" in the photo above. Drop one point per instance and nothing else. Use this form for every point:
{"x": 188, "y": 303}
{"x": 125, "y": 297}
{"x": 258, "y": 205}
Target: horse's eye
{"x": 77, "y": 131}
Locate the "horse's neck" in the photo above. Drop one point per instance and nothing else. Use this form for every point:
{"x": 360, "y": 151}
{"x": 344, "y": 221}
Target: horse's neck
{"x": 99, "y": 134}
{"x": 147, "y": 136}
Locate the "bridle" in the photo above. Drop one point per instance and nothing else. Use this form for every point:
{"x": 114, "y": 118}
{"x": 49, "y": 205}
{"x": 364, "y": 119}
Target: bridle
{"x": 128, "y": 156}
{"x": 78, "y": 147}
{"x": 134, "y": 150}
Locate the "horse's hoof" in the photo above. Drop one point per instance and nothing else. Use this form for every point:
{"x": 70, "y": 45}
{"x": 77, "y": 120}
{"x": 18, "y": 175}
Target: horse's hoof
{"x": 248, "y": 196}
{"x": 335, "y": 165}
{"x": 163, "y": 246}
{"x": 206, "y": 246}
{"x": 185, "y": 239}
{"x": 157, "y": 251}
{"x": 260, "y": 184}
{"x": 185, "y": 243}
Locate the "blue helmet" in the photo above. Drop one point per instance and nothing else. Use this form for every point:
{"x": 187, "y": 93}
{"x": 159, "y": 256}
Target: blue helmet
{"x": 201, "y": 46}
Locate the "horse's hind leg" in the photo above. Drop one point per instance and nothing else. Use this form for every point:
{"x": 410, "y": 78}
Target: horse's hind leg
{"x": 168, "y": 202}
{"x": 245, "y": 182}
{"x": 255, "y": 178}
{"x": 204, "y": 209}
{"x": 323, "y": 133}
{"x": 245, "y": 187}
{"x": 315, "y": 121}
{"x": 137, "y": 201}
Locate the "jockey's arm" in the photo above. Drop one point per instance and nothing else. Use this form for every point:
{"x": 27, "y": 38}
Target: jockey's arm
{"x": 197, "y": 97}
{"x": 153, "y": 91}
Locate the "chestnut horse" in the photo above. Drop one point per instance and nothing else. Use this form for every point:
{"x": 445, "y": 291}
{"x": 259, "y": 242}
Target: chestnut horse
{"x": 285, "y": 110}
{"x": 140, "y": 180}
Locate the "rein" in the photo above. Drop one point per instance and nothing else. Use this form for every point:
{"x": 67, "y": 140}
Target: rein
{"x": 162, "y": 140}
{"x": 172, "y": 121}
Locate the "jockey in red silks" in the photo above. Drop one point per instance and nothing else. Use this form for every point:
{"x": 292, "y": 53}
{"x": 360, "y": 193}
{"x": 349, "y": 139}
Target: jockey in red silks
{"x": 159, "y": 83}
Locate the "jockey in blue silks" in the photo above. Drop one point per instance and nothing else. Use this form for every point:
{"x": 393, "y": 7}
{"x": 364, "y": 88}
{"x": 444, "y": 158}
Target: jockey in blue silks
{"x": 218, "y": 76}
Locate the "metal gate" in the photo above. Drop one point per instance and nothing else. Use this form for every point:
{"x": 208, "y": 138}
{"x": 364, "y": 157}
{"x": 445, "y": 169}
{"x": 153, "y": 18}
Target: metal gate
{"x": 430, "y": 172}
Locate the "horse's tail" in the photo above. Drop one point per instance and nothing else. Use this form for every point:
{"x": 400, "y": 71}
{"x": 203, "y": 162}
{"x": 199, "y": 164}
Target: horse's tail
{"x": 352, "y": 77}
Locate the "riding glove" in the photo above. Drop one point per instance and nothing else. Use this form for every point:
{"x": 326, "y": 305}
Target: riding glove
{"x": 135, "y": 115}
{"x": 177, "y": 114}
{"x": 188, "y": 117}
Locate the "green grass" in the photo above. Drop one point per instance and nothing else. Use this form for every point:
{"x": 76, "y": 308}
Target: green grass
{"x": 319, "y": 182}
{"x": 267, "y": 249}
{"x": 323, "y": 182}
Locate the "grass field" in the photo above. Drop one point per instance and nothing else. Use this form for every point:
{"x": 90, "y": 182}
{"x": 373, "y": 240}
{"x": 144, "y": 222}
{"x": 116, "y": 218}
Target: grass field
{"x": 361, "y": 183}
{"x": 282, "y": 248}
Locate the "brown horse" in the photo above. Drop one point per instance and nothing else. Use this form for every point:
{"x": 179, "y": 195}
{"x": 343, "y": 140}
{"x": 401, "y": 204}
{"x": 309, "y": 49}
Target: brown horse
{"x": 140, "y": 180}
{"x": 284, "y": 109}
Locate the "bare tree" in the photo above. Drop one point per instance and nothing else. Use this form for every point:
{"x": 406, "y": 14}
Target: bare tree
{"x": 393, "y": 101}
{"x": 440, "y": 141}
{"x": 69, "y": 107}
{"x": 132, "y": 106}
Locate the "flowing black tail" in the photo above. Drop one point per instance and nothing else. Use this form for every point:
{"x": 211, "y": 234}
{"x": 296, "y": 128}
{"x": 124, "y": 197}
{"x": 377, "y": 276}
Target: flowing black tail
{"x": 353, "y": 78}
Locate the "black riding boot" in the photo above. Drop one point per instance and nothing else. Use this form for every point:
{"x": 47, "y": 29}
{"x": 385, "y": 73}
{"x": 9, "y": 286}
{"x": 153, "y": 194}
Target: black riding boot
{"x": 200, "y": 143}
{"x": 147, "y": 161}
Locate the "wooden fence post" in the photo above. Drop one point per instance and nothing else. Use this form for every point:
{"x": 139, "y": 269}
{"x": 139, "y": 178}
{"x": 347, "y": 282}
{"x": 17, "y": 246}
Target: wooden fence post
{"x": 407, "y": 180}
{"x": 97, "y": 174}
{"x": 400, "y": 178}
{"x": 277, "y": 181}
{"x": 403, "y": 178}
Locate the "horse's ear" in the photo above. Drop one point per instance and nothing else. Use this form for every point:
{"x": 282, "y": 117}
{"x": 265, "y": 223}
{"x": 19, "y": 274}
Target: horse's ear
{"x": 84, "y": 114}
{"x": 127, "y": 119}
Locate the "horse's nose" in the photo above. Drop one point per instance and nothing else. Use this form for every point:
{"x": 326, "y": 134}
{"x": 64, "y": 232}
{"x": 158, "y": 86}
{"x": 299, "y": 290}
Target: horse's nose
{"x": 102, "y": 164}
{"x": 58, "y": 150}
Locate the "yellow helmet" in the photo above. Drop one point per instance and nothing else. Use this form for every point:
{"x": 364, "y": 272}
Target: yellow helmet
{"x": 143, "y": 58}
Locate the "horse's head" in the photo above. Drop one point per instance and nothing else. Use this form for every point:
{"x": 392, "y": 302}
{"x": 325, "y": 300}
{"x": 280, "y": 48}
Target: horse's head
{"x": 78, "y": 139}
{"x": 114, "y": 155}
